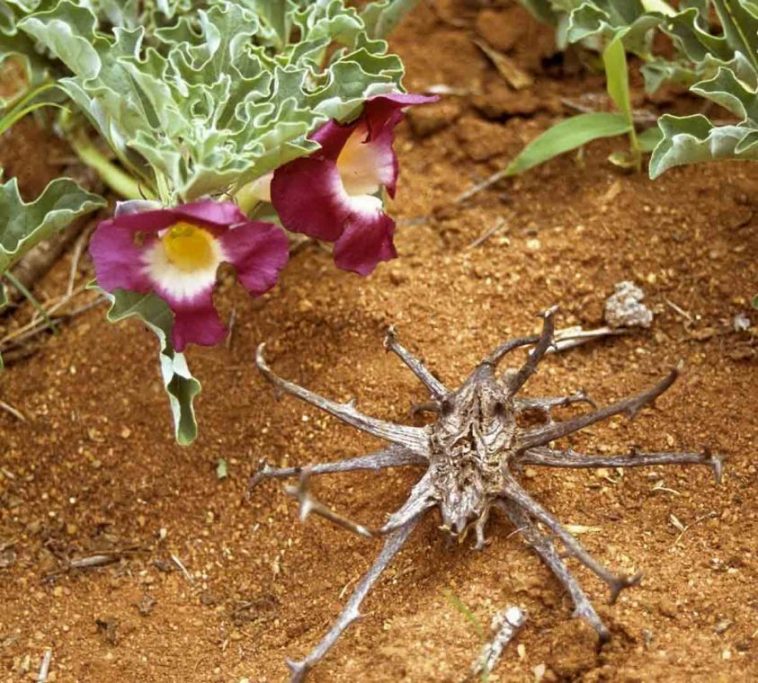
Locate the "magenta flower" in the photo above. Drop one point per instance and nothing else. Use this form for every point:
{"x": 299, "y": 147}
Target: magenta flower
{"x": 333, "y": 194}
{"x": 175, "y": 254}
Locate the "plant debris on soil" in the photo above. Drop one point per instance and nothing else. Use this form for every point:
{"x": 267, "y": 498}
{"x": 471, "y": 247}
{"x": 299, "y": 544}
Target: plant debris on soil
{"x": 209, "y": 584}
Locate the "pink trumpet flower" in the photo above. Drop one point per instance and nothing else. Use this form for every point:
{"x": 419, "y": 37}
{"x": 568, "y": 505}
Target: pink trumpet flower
{"x": 175, "y": 254}
{"x": 334, "y": 194}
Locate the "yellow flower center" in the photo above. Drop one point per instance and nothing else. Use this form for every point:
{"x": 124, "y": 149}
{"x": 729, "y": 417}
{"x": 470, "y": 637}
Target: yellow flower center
{"x": 188, "y": 247}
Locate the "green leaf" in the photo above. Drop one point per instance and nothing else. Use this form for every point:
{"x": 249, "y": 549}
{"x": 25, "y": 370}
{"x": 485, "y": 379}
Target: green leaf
{"x": 617, "y": 83}
{"x": 382, "y": 17}
{"x": 68, "y": 32}
{"x": 617, "y": 76}
{"x": 567, "y": 135}
{"x": 740, "y": 25}
{"x": 178, "y": 381}
{"x": 222, "y": 469}
{"x": 215, "y": 95}
{"x": 605, "y": 19}
{"x": 23, "y": 225}
{"x": 649, "y": 138}
{"x": 694, "y": 139}
{"x": 44, "y": 95}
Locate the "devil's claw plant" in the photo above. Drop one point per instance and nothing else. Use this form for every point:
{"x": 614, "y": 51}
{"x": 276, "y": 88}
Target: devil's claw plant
{"x": 473, "y": 453}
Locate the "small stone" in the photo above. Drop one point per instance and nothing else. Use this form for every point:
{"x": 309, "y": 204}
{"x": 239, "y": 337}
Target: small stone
{"x": 722, "y": 626}
{"x": 624, "y": 308}
{"x": 533, "y": 244}
{"x": 741, "y": 323}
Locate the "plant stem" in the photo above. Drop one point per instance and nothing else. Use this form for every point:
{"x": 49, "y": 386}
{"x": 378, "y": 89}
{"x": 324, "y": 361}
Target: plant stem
{"x": 164, "y": 194}
{"x": 634, "y": 144}
{"x": 114, "y": 177}
{"x": 30, "y": 298}
{"x": 25, "y": 104}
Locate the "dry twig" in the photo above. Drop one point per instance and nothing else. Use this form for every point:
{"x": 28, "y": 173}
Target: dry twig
{"x": 505, "y": 624}
{"x": 44, "y": 668}
{"x": 8, "y": 408}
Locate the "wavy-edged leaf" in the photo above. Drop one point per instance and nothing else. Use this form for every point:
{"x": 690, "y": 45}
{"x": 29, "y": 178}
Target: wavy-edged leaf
{"x": 695, "y": 139}
{"x": 567, "y": 135}
{"x": 181, "y": 387}
{"x": 607, "y": 18}
{"x": 383, "y": 16}
{"x": 22, "y": 225}
{"x": 217, "y": 96}
{"x": 648, "y": 139}
{"x": 740, "y": 23}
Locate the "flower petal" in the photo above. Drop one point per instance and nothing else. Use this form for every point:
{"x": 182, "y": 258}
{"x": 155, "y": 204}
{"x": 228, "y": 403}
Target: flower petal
{"x": 307, "y": 194}
{"x": 197, "y": 323}
{"x": 131, "y": 206}
{"x": 118, "y": 260}
{"x": 131, "y": 252}
{"x": 365, "y": 165}
{"x": 387, "y": 110}
{"x": 147, "y": 221}
{"x": 332, "y": 137}
{"x": 210, "y": 213}
{"x": 381, "y": 115}
{"x": 258, "y": 251}
{"x": 367, "y": 238}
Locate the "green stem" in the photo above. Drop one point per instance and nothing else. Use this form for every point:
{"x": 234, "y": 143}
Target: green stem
{"x": 164, "y": 193}
{"x": 636, "y": 151}
{"x": 30, "y": 298}
{"x": 115, "y": 178}
{"x": 246, "y": 198}
{"x": 25, "y": 105}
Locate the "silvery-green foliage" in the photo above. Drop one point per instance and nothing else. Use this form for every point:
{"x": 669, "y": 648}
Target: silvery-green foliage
{"x": 717, "y": 61}
{"x": 381, "y": 17}
{"x": 731, "y": 60}
{"x": 693, "y": 139}
{"x": 180, "y": 386}
{"x": 22, "y": 224}
{"x": 202, "y": 101}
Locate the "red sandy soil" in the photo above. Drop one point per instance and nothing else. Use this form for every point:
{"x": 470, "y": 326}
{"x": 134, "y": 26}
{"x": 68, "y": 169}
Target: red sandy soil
{"x": 94, "y": 467}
